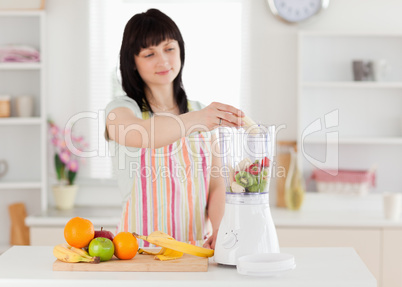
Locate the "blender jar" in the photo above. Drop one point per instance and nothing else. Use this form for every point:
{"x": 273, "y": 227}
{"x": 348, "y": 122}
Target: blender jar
{"x": 246, "y": 157}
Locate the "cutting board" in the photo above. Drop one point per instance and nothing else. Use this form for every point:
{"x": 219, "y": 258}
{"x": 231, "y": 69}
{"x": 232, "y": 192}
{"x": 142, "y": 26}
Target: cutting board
{"x": 140, "y": 263}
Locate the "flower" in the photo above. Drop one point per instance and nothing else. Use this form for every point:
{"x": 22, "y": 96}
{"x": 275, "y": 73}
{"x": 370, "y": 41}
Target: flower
{"x": 54, "y": 130}
{"x": 73, "y": 165}
{"x": 66, "y": 162}
{"x": 65, "y": 156}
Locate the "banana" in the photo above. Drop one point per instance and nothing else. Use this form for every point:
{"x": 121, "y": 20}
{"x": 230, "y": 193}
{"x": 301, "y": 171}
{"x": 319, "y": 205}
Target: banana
{"x": 80, "y": 251}
{"x": 251, "y": 126}
{"x": 163, "y": 254}
{"x": 169, "y": 254}
{"x": 237, "y": 188}
{"x": 243, "y": 165}
{"x": 160, "y": 252}
{"x": 161, "y": 239}
{"x": 160, "y": 234}
{"x": 66, "y": 253}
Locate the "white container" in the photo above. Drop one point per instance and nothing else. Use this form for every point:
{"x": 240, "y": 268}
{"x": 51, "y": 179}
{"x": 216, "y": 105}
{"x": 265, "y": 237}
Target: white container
{"x": 380, "y": 68}
{"x": 392, "y": 204}
{"x": 24, "y": 106}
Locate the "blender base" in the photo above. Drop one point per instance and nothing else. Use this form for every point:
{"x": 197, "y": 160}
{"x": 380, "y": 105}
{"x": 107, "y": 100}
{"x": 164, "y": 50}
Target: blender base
{"x": 245, "y": 229}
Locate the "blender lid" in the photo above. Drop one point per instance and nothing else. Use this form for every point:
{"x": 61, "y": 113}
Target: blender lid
{"x": 266, "y": 264}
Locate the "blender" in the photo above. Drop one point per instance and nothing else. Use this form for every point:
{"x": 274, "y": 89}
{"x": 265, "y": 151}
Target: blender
{"x": 247, "y": 226}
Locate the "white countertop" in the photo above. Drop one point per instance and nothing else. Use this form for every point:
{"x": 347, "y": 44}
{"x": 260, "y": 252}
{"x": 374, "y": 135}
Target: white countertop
{"x": 318, "y": 210}
{"x": 32, "y": 266}
{"x": 334, "y": 210}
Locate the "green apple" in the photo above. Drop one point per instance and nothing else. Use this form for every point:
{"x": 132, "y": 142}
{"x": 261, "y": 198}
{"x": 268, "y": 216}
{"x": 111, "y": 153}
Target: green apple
{"x": 101, "y": 247}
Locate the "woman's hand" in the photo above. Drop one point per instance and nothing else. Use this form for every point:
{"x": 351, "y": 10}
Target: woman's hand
{"x": 210, "y": 243}
{"x": 220, "y": 114}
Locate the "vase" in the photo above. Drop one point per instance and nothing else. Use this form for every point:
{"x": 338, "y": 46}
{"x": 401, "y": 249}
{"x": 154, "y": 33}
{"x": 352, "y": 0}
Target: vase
{"x": 64, "y": 196}
{"x": 294, "y": 184}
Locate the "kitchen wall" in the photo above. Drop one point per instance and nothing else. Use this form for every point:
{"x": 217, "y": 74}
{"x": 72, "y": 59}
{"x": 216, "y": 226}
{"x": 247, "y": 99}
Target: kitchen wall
{"x": 269, "y": 78}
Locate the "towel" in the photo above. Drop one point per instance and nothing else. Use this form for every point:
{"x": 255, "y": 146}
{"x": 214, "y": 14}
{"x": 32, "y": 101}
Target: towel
{"x": 19, "y": 53}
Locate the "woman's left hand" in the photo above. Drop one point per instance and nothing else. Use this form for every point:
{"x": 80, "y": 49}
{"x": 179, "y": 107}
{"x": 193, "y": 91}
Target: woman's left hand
{"x": 210, "y": 243}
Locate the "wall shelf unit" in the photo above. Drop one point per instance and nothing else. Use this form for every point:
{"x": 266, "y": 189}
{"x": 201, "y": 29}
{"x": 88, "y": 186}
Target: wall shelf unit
{"x": 24, "y": 139}
{"x": 366, "y": 116}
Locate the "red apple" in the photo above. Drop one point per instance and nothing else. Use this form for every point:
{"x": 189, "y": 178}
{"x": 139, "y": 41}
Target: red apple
{"x": 104, "y": 233}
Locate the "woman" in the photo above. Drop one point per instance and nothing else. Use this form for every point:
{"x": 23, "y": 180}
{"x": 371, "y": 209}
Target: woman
{"x": 162, "y": 142}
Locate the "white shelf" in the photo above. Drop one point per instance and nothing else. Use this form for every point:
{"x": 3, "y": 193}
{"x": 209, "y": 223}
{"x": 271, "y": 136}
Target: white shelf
{"x": 20, "y": 185}
{"x": 358, "y": 85}
{"x": 20, "y": 66}
{"x": 28, "y": 13}
{"x": 14, "y": 121}
{"x": 359, "y": 140}
{"x": 348, "y": 34}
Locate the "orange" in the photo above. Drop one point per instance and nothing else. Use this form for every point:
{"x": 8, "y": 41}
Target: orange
{"x": 125, "y": 245}
{"x": 78, "y": 232}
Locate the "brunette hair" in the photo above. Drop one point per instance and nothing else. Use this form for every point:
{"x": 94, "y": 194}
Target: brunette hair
{"x": 142, "y": 31}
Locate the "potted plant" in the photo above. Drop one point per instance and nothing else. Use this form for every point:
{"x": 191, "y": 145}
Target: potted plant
{"x": 66, "y": 164}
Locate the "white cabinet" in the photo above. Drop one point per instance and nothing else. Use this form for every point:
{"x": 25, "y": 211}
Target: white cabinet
{"x": 345, "y": 123}
{"x": 392, "y": 258}
{"x": 23, "y": 140}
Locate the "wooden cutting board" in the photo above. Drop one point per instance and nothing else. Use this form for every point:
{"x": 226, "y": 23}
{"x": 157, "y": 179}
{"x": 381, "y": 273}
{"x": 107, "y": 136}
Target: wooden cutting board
{"x": 140, "y": 263}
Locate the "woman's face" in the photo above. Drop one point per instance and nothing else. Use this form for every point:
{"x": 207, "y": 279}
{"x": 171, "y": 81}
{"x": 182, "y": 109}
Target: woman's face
{"x": 159, "y": 65}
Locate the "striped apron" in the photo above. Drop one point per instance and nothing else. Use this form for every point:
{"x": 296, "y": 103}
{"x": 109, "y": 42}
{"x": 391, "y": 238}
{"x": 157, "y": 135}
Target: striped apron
{"x": 170, "y": 190}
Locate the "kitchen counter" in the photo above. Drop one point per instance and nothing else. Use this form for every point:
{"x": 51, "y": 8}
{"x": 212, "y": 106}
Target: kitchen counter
{"x": 327, "y": 210}
{"x": 32, "y": 266}
{"x": 335, "y": 210}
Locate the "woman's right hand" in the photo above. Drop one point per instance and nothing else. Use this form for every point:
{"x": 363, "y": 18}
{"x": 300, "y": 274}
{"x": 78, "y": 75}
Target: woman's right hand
{"x": 211, "y": 116}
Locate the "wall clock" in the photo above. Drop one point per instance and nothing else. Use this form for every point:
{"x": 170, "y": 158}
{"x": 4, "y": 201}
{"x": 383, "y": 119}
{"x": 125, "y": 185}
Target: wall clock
{"x": 293, "y": 11}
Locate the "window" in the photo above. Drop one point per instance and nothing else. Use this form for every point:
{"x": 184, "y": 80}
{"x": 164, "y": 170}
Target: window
{"x": 212, "y": 35}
